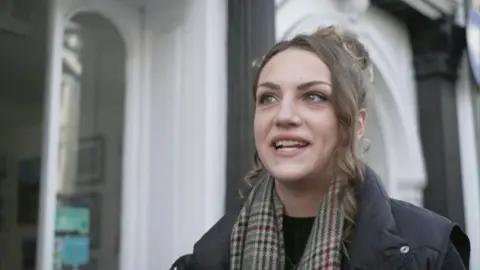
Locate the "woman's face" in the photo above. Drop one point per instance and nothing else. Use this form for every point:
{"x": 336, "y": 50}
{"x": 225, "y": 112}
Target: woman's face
{"x": 295, "y": 124}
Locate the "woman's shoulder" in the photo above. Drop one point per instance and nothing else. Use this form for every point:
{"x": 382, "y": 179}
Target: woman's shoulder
{"x": 423, "y": 228}
{"x": 218, "y": 234}
{"x": 407, "y": 213}
{"x": 415, "y": 220}
{"x": 212, "y": 250}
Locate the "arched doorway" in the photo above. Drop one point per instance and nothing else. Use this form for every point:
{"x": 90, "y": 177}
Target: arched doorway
{"x": 375, "y": 155}
{"x": 90, "y": 154}
{"x": 91, "y": 162}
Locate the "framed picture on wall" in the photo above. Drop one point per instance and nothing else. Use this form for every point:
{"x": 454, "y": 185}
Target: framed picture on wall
{"x": 91, "y": 158}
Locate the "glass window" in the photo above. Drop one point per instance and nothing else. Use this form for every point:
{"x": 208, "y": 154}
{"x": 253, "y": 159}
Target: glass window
{"x": 87, "y": 225}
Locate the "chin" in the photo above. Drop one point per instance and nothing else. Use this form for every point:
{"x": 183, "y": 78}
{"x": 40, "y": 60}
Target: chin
{"x": 287, "y": 173}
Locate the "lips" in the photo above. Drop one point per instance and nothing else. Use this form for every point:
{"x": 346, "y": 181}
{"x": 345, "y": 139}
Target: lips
{"x": 289, "y": 144}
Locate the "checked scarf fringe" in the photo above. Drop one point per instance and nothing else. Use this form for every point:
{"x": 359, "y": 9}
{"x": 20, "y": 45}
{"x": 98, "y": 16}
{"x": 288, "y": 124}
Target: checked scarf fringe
{"x": 257, "y": 236}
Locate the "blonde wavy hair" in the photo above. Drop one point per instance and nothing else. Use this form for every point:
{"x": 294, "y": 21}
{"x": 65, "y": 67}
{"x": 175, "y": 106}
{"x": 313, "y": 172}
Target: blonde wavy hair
{"x": 351, "y": 69}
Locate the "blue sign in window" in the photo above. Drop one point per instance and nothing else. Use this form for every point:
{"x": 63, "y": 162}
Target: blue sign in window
{"x": 75, "y": 250}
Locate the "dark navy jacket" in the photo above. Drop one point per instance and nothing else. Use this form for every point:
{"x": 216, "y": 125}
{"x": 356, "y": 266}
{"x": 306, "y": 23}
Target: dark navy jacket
{"x": 389, "y": 234}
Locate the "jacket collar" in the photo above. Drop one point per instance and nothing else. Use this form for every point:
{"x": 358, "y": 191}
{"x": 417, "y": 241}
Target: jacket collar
{"x": 376, "y": 233}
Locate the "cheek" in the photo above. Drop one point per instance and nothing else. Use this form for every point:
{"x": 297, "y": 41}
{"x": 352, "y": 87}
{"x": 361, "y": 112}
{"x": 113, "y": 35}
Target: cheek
{"x": 258, "y": 127}
{"x": 327, "y": 130}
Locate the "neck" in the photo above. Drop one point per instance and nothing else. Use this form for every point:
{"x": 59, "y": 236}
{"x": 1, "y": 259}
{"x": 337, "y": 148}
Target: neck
{"x": 301, "y": 199}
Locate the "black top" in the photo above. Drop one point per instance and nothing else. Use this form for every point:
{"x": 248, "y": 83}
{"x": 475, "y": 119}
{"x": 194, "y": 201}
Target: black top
{"x": 295, "y": 233}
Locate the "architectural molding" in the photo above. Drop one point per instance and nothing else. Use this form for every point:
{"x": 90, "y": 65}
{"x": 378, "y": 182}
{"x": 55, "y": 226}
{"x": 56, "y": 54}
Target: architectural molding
{"x": 352, "y": 8}
{"x": 407, "y": 10}
{"x": 438, "y": 48}
{"x": 172, "y": 14}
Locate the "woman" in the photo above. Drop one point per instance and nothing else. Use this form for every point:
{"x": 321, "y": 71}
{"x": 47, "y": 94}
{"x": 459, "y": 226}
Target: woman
{"x": 311, "y": 202}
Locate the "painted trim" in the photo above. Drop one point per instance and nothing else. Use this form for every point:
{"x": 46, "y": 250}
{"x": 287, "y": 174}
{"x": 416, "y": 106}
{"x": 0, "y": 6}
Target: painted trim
{"x": 216, "y": 110}
{"x": 469, "y": 160}
{"x": 49, "y": 174}
{"x": 426, "y": 8}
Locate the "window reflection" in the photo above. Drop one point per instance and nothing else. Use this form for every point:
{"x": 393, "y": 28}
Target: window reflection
{"x": 87, "y": 224}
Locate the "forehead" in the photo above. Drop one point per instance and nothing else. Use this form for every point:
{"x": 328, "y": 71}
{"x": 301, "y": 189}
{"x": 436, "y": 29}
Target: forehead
{"x": 295, "y": 66}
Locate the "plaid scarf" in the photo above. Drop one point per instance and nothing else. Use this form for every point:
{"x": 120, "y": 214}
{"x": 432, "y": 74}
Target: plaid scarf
{"x": 257, "y": 236}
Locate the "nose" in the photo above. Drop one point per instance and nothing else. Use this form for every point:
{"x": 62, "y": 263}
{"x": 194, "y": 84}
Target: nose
{"x": 287, "y": 115}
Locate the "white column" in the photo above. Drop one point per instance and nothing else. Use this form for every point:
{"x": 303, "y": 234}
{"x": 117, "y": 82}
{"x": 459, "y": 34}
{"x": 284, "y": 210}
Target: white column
{"x": 51, "y": 139}
{"x": 187, "y": 123}
{"x": 216, "y": 110}
{"x": 469, "y": 161}
{"x": 200, "y": 186}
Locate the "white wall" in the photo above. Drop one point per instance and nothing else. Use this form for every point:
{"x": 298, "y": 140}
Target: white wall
{"x": 374, "y": 144}
{"x": 395, "y": 101}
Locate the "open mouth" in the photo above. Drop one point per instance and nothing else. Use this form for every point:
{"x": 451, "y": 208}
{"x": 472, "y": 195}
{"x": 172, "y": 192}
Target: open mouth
{"x": 289, "y": 145}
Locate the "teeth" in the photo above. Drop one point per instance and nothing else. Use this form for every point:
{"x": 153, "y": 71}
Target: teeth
{"x": 286, "y": 149}
{"x": 289, "y": 143}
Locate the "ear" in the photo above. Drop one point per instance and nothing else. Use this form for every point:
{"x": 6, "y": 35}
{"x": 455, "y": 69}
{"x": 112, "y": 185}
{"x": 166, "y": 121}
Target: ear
{"x": 361, "y": 123}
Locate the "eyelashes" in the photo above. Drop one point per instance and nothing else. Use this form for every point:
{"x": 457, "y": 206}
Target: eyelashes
{"x": 310, "y": 97}
{"x": 315, "y": 97}
{"x": 266, "y": 98}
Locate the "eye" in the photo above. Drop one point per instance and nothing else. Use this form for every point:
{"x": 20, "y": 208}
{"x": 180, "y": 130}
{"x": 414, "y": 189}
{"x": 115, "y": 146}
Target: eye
{"x": 267, "y": 99}
{"x": 315, "y": 97}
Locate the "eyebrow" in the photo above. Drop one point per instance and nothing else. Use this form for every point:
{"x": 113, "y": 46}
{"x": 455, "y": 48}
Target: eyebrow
{"x": 302, "y": 86}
